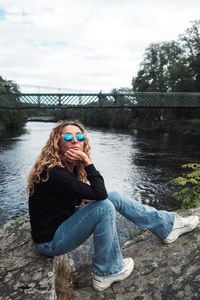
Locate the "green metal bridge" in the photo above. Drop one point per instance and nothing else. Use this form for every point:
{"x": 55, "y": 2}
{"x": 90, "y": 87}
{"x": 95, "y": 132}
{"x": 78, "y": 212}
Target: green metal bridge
{"x": 99, "y": 100}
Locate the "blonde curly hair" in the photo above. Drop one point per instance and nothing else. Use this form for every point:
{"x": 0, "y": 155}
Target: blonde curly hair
{"x": 51, "y": 156}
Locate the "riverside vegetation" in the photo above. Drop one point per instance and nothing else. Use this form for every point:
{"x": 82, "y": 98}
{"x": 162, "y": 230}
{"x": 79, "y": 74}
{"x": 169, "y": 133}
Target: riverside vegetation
{"x": 10, "y": 119}
{"x": 189, "y": 195}
{"x": 183, "y": 121}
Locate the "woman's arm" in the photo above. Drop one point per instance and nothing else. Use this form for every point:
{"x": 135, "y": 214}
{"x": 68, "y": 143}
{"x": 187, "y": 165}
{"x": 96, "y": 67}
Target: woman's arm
{"x": 65, "y": 183}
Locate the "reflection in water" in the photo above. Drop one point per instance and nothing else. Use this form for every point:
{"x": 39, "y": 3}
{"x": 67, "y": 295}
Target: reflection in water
{"x": 159, "y": 161}
{"x": 140, "y": 165}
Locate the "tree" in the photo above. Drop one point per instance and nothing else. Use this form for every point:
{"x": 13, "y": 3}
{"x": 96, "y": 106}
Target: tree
{"x": 171, "y": 66}
{"x": 8, "y": 86}
{"x": 161, "y": 69}
{"x": 191, "y": 45}
{"x": 123, "y": 90}
{"x": 10, "y": 118}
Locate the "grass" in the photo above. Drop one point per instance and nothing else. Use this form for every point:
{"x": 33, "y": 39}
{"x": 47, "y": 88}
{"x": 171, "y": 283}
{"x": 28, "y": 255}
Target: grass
{"x": 63, "y": 282}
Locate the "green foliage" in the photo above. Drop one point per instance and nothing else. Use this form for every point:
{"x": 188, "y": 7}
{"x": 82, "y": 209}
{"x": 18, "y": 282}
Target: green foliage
{"x": 10, "y": 119}
{"x": 171, "y": 66}
{"x": 98, "y": 117}
{"x": 191, "y": 43}
{"x": 8, "y": 86}
{"x": 189, "y": 195}
{"x": 157, "y": 119}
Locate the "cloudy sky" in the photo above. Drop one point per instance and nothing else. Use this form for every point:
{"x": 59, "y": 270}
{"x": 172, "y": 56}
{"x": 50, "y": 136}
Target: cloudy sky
{"x": 84, "y": 44}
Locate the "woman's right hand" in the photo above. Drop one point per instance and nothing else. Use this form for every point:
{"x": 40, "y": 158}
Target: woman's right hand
{"x": 73, "y": 155}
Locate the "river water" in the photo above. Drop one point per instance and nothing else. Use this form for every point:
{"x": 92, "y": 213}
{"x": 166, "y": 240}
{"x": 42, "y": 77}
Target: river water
{"x": 140, "y": 165}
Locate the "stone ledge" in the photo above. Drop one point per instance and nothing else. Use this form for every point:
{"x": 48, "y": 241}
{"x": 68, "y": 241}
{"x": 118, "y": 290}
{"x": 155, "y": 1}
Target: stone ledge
{"x": 162, "y": 271}
{"x": 24, "y": 273}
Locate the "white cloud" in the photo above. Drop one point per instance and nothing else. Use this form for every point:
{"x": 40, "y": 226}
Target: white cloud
{"x": 85, "y": 44}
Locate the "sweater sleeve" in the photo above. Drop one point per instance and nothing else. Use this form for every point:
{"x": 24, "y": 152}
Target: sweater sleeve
{"x": 65, "y": 183}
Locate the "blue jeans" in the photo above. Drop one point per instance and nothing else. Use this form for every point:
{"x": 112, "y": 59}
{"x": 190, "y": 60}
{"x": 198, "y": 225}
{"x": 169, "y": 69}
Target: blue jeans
{"x": 98, "y": 217}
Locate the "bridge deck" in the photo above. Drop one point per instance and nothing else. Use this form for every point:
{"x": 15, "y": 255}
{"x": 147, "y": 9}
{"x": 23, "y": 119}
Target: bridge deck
{"x": 101, "y": 100}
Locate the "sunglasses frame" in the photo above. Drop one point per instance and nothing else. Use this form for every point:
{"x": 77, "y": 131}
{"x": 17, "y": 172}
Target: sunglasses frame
{"x": 80, "y": 137}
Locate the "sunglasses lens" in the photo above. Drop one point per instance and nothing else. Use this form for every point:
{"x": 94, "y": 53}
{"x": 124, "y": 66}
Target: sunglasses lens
{"x": 80, "y": 137}
{"x": 68, "y": 137}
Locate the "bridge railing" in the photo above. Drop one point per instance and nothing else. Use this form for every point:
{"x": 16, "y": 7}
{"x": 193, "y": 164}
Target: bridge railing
{"x": 104, "y": 100}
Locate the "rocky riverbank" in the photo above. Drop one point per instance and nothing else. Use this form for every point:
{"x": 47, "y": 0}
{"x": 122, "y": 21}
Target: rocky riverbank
{"x": 162, "y": 272}
{"x": 25, "y": 274}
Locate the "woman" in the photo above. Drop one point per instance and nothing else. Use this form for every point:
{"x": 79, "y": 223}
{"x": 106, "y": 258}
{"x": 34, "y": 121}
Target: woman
{"x": 65, "y": 210}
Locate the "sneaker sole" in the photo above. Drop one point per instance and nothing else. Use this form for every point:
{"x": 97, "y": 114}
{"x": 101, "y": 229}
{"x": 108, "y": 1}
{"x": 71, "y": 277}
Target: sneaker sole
{"x": 179, "y": 234}
{"x": 112, "y": 280}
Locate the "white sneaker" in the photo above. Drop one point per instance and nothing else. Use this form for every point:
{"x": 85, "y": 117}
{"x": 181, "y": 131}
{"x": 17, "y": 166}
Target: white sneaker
{"x": 101, "y": 283}
{"x": 181, "y": 226}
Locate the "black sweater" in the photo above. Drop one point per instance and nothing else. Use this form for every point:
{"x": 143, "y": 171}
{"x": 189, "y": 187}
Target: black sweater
{"x": 55, "y": 200}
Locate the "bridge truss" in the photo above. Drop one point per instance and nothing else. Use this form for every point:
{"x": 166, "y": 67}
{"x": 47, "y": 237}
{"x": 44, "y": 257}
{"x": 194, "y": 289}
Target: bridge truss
{"x": 100, "y": 100}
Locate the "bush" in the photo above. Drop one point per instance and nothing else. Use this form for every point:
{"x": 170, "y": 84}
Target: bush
{"x": 189, "y": 195}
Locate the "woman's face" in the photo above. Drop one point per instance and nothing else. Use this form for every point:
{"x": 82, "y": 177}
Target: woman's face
{"x": 74, "y": 143}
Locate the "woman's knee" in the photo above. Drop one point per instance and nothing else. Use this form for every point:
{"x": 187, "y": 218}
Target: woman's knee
{"x": 114, "y": 195}
{"x": 105, "y": 205}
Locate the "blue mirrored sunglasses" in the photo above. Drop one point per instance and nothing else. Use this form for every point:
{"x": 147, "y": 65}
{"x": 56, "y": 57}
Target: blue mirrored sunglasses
{"x": 69, "y": 137}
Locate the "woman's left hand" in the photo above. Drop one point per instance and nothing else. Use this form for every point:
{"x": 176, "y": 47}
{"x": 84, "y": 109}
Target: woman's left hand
{"x": 84, "y": 201}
